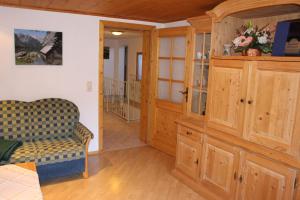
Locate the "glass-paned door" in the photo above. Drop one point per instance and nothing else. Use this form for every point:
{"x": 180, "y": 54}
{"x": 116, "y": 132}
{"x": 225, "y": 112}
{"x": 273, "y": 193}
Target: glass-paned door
{"x": 199, "y": 76}
{"x": 173, "y": 58}
{"x": 171, "y": 68}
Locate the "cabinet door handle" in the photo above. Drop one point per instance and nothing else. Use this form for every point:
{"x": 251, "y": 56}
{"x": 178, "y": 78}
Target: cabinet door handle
{"x": 250, "y": 102}
{"x": 189, "y": 133}
{"x": 241, "y": 179}
{"x": 235, "y": 176}
{"x": 242, "y": 100}
{"x": 196, "y": 162}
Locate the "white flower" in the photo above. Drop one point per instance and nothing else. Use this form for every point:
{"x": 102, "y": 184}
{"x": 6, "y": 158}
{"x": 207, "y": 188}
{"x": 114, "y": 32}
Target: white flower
{"x": 249, "y": 30}
{"x": 263, "y": 39}
{"x": 237, "y": 41}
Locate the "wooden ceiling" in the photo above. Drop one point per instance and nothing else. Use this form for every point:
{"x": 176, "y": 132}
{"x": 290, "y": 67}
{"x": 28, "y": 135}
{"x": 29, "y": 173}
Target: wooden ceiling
{"x": 162, "y": 11}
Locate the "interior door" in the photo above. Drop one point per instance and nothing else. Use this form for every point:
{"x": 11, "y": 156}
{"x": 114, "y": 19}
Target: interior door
{"x": 272, "y": 106}
{"x": 172, "y": 64}
{"x": 226, "y": 96}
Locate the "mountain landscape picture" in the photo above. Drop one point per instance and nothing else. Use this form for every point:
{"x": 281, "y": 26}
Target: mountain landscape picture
{"x": 33, "y": 47}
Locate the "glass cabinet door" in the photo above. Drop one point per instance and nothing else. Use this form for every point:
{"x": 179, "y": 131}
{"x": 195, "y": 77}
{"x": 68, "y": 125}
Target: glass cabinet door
{"x": 200, "y": 74}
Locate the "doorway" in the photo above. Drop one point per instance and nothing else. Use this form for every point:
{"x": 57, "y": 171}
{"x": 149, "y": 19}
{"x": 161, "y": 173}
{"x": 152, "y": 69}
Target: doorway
{"x": 123, "y": 107}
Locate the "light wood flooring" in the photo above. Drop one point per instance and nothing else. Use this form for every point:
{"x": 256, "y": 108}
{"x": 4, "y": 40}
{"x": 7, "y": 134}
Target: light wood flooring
{"x": 141, "y": 173}
{"x": 119, "y": 134}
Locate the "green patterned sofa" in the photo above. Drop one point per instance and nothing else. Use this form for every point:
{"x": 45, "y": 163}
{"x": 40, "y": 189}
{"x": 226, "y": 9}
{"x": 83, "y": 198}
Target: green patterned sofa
{"x": 51, "y": 133}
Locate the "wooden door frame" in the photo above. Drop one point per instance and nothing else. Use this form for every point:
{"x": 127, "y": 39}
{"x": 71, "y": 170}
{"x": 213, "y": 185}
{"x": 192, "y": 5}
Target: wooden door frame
{"x": 145, "y": 89}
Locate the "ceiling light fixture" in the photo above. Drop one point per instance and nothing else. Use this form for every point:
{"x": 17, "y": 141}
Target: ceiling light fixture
{"x": 116, "y": 33}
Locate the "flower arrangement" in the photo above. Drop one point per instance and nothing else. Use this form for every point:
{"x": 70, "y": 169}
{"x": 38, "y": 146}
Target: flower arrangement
{"x": 253, "y": 38}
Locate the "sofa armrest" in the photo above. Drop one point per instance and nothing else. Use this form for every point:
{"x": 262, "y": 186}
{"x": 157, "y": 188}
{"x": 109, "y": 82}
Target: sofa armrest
{"x": 83, "y": 133}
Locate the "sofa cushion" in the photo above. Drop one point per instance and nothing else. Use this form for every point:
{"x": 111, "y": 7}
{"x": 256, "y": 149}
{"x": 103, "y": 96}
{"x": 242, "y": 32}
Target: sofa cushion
{"x": 60, "y": 149}
{"x": 53, "y": 118}
{"x": 15, "y": 120}
{"x": 25, "y": 153}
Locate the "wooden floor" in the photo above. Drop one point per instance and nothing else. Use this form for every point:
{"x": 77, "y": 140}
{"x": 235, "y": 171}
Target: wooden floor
{"x": 119, "y": 134}
{"x": 141, "y": 173}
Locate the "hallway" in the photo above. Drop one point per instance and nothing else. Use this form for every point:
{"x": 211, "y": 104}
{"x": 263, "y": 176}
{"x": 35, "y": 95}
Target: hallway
{"x": 118, "y": 134}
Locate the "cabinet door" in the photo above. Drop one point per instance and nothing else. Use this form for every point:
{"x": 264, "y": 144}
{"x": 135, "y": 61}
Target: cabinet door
{"x": 272, "y": 106}
{"x": 187, "y": 157}
{"x": 226, "y": 95}
{"x": 219, "y": 168}
{"x": 265, "y": 180}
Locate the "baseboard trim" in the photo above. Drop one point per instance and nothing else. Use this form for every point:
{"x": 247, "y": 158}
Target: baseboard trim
{"x": 92, "y": 153}
{"x": 194, "y": 185}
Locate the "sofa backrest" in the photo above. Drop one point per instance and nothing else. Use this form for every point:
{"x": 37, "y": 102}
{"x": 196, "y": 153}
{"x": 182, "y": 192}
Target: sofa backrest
{"x": 53, "y": 117}
{"x": 46, "y": 118}
{"x": 15, "y": 120}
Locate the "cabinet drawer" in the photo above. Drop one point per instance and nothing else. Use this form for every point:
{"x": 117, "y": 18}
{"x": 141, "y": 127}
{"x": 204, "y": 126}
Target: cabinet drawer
{"x": 194, "y": 135}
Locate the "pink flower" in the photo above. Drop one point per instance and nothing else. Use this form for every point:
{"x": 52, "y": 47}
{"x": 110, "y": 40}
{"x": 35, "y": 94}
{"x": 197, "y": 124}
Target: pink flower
{"x": 246, "y": 41}
{"x": 237, "y": 41}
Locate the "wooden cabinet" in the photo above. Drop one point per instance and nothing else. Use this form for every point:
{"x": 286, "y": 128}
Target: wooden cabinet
{"x": 263, "y": 179}
{"x": 223, "y": 171}
{"x": 188, "y": 155}
{"x": 226, "y": 97}
{"x": 272, "y": 105}
{"x": 219, "y": 168}
{"x": 257, "y": 100}
{"x": 251, "y": 134}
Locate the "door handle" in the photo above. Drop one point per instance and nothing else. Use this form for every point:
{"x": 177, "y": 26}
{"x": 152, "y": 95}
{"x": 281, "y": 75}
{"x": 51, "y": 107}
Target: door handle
{"x": 185, "y": 92}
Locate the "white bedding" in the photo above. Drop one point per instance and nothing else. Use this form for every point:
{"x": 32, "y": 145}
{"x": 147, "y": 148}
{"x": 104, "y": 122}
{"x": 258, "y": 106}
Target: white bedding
{"x": 17, "y": 183}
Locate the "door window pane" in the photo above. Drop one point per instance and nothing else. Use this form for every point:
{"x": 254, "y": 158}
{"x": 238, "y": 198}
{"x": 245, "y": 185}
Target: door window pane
{"x": 163, "y": 90}
{"x": 164, "y": 68}
{"x": 178, "y": 70}
{"x": 179, "y": 47}
{"x": 165, "y": 47}
{"x": 177, "y": 97}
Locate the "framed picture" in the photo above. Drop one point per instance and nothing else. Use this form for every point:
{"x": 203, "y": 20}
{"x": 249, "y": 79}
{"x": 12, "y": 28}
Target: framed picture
{"x": 106, "y": 53}
{"x": 287, "y": 39}
{"x": 35, "y": 47}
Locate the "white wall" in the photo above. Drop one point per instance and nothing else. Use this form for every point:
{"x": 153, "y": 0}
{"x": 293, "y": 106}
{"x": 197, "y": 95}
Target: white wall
{"x": 121, "y": 63}
{"x": 135, "y": 45}
{"x": 109, "y": 64}
{"x": 69, "y": 81}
